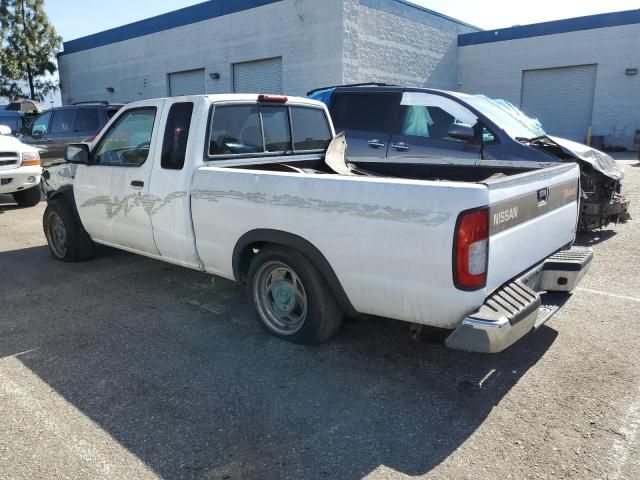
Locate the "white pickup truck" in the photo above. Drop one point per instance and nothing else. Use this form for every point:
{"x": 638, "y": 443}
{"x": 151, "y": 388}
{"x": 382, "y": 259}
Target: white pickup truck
{"x": 256, "y": 189}
{"x": 20, "y": 170}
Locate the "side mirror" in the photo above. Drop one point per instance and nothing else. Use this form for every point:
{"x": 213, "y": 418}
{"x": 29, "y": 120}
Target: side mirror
{"x": 77, "y": 153}
{"x": 4, "y": 130}
{"x": 462, "y": 131}
{"x": 37, "y": 133}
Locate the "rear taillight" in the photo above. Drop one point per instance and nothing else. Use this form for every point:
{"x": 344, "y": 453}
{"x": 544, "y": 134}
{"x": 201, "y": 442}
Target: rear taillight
{"x": 471, "y": 249}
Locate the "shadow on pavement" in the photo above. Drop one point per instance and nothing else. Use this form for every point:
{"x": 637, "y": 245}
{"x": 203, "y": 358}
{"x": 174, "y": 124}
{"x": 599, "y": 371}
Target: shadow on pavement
{"x": 181, "y": 374}
{"x": 7, "y": 203}
{"x": 588, "y": 239}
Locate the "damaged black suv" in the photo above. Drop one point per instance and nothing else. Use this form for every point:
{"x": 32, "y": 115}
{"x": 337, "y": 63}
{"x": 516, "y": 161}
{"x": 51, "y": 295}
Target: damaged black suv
{"x": 408, "y": 128}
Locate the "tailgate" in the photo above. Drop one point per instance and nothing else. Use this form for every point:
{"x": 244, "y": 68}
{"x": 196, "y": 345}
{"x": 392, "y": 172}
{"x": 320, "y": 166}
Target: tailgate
{"x": 531, "y": 216}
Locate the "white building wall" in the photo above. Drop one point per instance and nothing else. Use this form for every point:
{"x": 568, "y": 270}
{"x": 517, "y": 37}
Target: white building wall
{"x": 495, "y": 69}
{"x": 395, "y": 43}
{"x": 307, "y": 34}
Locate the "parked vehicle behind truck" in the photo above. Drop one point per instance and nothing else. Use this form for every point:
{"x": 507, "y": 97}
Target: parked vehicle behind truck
{"x": 401, "y": 129}
{"x": 256, "y": 189}
{"x": 54, "y": 129}
{"x": 20, "y": 169}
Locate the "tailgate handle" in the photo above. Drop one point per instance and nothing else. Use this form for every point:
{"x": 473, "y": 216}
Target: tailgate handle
{"x": 543, "y": 196}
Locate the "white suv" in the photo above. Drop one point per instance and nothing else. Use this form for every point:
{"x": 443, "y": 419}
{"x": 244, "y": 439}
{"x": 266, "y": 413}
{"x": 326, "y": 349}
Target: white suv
{"x": 20, "y": 170}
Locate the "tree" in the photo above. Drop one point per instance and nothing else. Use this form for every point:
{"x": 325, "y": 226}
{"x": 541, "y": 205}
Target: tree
{"x": 28, "y": 45}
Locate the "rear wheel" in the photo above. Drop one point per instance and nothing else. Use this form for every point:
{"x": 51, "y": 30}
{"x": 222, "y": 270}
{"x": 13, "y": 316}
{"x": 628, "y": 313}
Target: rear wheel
{"x": 68, "y": 241}
{"x": 29, "y": 197}
{"x": 292, "y": 298}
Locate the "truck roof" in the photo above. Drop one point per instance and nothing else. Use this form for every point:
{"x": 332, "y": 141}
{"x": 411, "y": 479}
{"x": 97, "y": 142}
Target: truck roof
{"x": 245, "y": 97}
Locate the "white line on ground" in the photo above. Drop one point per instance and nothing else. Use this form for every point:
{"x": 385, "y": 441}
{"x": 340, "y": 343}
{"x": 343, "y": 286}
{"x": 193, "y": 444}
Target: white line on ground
{"x": 607, "y": 294}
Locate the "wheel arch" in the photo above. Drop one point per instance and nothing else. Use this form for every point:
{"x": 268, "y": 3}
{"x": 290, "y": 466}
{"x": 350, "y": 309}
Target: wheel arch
{"x": 256, "y": 239}
{"x": 64, "y": 194}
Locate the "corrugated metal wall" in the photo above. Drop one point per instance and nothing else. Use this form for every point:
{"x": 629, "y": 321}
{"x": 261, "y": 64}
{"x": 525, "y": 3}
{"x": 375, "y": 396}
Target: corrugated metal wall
{"x": 260, "y": 76}
{"x": 191, "y": 82}
{"x": 561, "y": 98}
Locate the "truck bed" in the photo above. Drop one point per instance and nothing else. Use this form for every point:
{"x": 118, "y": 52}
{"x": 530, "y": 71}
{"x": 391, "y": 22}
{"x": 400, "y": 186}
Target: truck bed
{"x": 355, "y": 221}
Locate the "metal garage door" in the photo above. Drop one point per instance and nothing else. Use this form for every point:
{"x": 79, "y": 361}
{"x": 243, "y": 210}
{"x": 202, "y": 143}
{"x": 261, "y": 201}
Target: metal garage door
{"x": 561, "y": 98}
{"x": 191, "y": 82}
{"x": 261, "y": 76}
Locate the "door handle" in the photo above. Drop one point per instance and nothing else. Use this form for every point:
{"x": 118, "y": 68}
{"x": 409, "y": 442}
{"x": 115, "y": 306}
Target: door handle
{"x": 137, "y": 184}
{"x": 375, "y": 143}
{"x": 401, "y": 147}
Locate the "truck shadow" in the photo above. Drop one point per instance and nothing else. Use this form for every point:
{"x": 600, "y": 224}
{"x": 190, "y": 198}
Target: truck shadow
{"x": 181, "y": 374}
{"x": 589, "y": 239}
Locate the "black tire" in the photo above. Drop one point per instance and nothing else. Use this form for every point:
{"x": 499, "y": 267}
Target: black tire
{"x": 29, "y": 197}
{"x": 323, "y": 315}
{"x": 60, "y": 220}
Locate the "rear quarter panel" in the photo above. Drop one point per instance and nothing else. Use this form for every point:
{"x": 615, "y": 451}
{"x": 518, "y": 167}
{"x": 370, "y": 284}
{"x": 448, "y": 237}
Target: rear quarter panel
{"x": 389, "y": 241}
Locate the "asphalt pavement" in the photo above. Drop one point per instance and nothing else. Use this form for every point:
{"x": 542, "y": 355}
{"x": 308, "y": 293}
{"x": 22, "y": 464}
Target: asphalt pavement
{"x": 129, "y": 368}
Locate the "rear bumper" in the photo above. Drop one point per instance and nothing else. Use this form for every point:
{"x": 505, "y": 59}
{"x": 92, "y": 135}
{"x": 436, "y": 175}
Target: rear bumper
{"x": 516, "y": 308}
{"x": 17, "y": 179}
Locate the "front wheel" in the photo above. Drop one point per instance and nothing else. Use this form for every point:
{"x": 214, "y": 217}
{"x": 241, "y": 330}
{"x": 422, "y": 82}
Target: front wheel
{"x": 29, "y": 197}
{"x": 68, "y": 241}
{"x": 292, "y": 298}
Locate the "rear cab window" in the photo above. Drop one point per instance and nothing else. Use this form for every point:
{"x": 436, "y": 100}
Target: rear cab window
{"x": 267, "y": 129}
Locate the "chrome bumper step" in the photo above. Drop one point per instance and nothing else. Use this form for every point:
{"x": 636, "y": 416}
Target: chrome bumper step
{"x": 516, "y": 308}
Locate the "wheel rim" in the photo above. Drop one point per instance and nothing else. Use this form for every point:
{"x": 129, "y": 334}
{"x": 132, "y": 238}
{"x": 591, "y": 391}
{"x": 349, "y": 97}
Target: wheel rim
{"x": 57, "y": 235}
{"x": 280, "y": 298}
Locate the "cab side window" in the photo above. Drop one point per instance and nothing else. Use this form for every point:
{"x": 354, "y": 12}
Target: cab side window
{"x": 41, "y": 125}
{"x": 431, "y": 116}
{"x": 370, "y": 112}
{"x": 63, "y": 121}
{"x": 176, "y": 135}
{"x": 128, "y": 140}
{"x": 87, "y": 120}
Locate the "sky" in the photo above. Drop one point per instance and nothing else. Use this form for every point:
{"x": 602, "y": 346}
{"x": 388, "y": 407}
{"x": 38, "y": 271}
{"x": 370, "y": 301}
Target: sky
{"x": 77, "y": 18}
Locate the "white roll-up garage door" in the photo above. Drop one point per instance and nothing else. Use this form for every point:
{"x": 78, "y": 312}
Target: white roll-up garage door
{"x": 191, "y": 82}
{"x": 561, "y": 98}
{"x": 260, "y": 76}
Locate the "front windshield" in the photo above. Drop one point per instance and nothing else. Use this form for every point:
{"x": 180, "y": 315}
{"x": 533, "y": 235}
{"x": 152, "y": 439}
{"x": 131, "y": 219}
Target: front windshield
{"x": 506, "y": 116}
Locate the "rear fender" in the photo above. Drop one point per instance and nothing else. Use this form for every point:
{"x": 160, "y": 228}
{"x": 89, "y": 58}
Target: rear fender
{"x": 278, "y": 237}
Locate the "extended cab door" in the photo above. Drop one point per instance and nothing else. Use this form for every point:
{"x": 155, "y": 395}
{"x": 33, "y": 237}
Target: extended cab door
{"x": 367, "y": 119}
{"x": 170, "y": 204}
{"x": 112, "y": 194}
{"x": 423, "y": 133}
